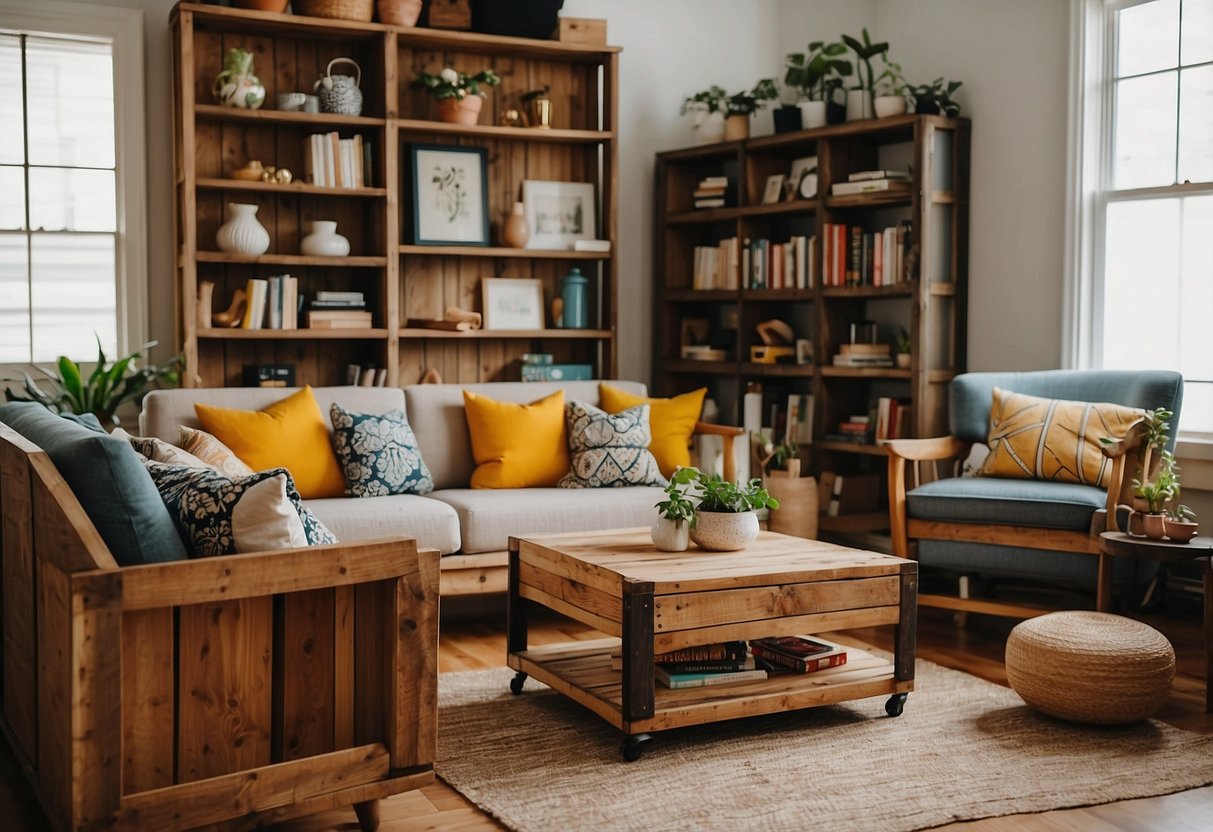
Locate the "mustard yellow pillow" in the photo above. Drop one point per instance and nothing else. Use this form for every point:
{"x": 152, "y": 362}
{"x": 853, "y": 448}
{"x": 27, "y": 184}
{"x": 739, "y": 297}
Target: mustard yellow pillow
{"x": 290, "y": 434}
{"x": 517, "y": 445}
{"x": 1053, "y": 439}
{"x": 672, "y": 422}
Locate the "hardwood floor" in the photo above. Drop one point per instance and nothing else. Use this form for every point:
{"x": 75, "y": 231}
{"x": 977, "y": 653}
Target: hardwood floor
{"x": 469, "y": 643}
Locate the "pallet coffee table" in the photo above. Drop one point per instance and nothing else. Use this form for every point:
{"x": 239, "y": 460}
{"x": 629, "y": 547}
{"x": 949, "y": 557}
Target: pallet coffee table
{"x": 617, "y": 582}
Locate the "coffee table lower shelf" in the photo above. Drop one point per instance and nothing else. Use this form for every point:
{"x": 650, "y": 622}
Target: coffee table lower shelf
{"x": 582, "y": 671}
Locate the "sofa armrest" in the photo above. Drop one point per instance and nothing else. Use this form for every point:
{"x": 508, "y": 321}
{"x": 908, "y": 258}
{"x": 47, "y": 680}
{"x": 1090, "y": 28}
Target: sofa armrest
{"x": 728, "y": 433}
{"x": 1120, "y": 480}
{"x": 935, "y": 449}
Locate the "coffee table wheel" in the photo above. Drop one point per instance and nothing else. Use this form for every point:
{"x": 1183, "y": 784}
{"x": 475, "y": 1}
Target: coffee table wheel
{"x": 895, "y": 704}
{"x": 633, "y": 746}
{"x": 516, "y": 682}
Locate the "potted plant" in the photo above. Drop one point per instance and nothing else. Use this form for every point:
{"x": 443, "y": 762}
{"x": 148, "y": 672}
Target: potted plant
{"x": 458, "y": 94}
{"x": 815, "y": 75}
{"x": 741, "y": 105}
{"x": 859, "y": 98}
{"x": 889, "y": 90}
{"x": 935, "y": 98}
{"x": 797, "y": 495}
{"x": 707, "y": 113}
{"x": 1180, "y": 524}
{"x": 725, "y": 519}
{"x": 676, "y": 513}
{"x": 1156, "y": 491}
{"x": 901, "y": 343}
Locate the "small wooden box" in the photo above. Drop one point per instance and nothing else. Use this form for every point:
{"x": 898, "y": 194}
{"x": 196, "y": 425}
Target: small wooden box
{"x": 588, "y": 30}
{"x": 451, "y": 14}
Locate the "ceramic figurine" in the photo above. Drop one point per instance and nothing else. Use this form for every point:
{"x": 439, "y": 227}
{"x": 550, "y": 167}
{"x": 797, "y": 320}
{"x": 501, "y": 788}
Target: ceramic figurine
{"x": 236, "y": 85}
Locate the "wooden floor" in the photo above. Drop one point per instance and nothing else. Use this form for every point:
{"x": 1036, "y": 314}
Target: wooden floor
{"x": 469, "y": 643}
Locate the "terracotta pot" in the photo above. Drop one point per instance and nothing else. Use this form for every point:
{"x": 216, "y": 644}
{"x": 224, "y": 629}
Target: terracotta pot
{"x": 1154, "y": 526}
{"x": 670, "y": 535}
{"x": 724, "y": 531}
{"x": 399, "y": 12}
{"x": 460, "y": 110}
{"x": 515, "y": 232}
{"x": 262, "y": 5}
{"x": 1180, "y": 531}
{"x": 736, "y": 127}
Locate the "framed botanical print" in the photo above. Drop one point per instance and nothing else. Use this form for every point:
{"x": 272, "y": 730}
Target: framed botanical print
{"x": 450, "y": 195}
{"x": 559, "y": 213}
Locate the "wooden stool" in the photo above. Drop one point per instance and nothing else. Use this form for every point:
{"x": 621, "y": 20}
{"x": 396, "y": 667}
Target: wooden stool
{"x": 1090, "y": 667}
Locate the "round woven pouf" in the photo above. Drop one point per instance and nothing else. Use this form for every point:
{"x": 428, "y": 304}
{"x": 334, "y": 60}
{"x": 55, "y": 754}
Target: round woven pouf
{"x": 1090, "y": 667}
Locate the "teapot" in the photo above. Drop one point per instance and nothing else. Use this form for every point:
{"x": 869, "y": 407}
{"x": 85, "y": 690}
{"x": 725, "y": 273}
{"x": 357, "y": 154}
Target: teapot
{"x": 340, "y": 94}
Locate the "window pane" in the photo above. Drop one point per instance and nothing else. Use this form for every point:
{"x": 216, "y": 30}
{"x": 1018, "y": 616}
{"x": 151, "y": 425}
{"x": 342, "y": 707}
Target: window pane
{"x": 73, "y": 295}
{"x": 70, "y": 99}
{"x": 1196, "y": 286}
{"x": 1197, "y": 32}
{"x": 1196, "y": 415}
{"x": 1196, "y": 124}
{"x": 1141, "y": 285}
{"x": 1147, "y": 37}
{"x": 14, "y": 300}
{"x": 1145, "y": 131}
{"x": 12, "y": 198}
{"x": 71, "y": 200}
{"x": 12, "y": 145}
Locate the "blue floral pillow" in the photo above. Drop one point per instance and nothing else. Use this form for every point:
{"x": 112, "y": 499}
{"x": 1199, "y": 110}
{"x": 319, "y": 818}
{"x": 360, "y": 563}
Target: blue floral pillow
{"x": 217, "y": 515}
{"x": 609, "y": 451}
{"x": 378, "y": 454}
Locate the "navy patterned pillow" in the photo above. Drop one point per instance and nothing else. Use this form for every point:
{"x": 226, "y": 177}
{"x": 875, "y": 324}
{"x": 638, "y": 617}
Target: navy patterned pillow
{"x": 378, "y": 454}
{"x": 609, "y": 451}
{"x": 217, "y": 515}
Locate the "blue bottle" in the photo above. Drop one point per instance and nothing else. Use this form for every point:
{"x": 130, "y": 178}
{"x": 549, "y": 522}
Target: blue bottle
{"x": 573, "y": 295}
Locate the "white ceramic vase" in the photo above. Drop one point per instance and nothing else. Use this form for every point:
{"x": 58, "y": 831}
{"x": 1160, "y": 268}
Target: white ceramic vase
{"x": 724, "y": 531}
{"x": 671, "y": 535}
{"x": 242, "y": 234}
{"x": 859, "y": 105}
{"x": 324, "y": 241}
{"x": 888, "y": 105}
{"x": 812, "y": 114}
{"x": 709, "y": 127}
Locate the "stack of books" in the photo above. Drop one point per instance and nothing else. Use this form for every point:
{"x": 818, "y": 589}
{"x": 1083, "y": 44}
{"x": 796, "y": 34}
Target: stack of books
{"x": 330, "y": 161}
{"x": 872, "y": 181}
{"x": 271, "y": 303}
{"x": 800, "y": 654}
{"x": 855, "y": 428}
{"x": 854, "y": 257}
{"x": 704, "y": 665}
{"x": 712, "y": 192}
{"x": 789, "y": 265}
{"x": 863, "y": 355}
{"x": 338, "y": 310}
{"x": 716, "y": 267}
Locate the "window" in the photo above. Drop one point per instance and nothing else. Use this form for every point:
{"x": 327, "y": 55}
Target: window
{"x": 72, "y": 247}
{"x": 1147, "y": 183}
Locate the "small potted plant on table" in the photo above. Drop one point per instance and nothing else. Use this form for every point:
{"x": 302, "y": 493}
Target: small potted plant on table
{"x": 458, "y": 94}
{"x": 676, "y": 513}
{"x": 725, "y": 519}
{"x": 1156, "y": 491}
{"x": 1180, "y": 524}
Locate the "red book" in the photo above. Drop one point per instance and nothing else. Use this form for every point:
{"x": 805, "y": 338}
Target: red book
{"x": 799, "y": 653}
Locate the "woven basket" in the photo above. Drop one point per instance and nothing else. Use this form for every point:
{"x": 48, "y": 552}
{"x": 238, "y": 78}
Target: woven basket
{"x": 360, "y": 10}
{"x": 1090, "y": 667}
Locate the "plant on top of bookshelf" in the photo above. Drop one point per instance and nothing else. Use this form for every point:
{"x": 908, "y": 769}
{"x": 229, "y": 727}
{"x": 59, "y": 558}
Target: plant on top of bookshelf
{"x": 859, "y": 97}
{"x": 889, "y": 89}
{"x": 817, "y": 74}
{"x": 711, "y": 100}
{"x": 458, "y": 94}
{"x": 935, "y": 98}
{"x": 741, "y": 105}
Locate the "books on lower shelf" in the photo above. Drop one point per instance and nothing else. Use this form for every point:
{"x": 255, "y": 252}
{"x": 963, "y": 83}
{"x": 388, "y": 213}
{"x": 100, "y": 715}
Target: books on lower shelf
{"x": 711, "y": 192}
{"x": 678, "y": 681}
{"x": 271, "y": 303}
{"x": 357, "y": 375}
{"x": 738, "y": 661}
{"x": 854, "y": 257}
{"x": 787, "y": 265}
{"x": 716, "y": 267}
{"x": 330, "y": 161}
{"x": 869, "y": 186}
{"x": 803, "y": 654}
{"x": 338, "y": 310}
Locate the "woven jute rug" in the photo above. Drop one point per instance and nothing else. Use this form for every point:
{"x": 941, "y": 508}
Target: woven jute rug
{"x": 963, "y": 749}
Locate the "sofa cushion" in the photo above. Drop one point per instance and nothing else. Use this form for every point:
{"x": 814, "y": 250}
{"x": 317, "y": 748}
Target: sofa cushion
{"x": 108, "y": 479}
{"x": 672, "y": 422}
{"x": 1051, "y": 505}
{"x": 378, "y": 454}
{"x": 149, "y": 447}
{"x": 214, "y": 453}
{"x": 609, "y": 451}
{"x": 431, "y": 523}
{"x": 488, "y": 518}
{"x": 517, "y": 445}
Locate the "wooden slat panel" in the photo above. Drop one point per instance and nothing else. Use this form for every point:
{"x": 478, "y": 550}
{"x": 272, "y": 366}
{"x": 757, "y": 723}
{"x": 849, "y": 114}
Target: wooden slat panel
{"x": 572, "y": 611}
{"x": 583, "y": 597}
{"x": 705, "y": 609}
{"x": 19, "y": 587}
{"x": 343, "y": 667}
{"x": 148, "y": 687}
{"x": 370, "y": 659}
{"x": 412, "y": 631}
{"x": 54, "y": 692}
{"x": 1054, "y": 540}
{"x": 821, "y": 623}
{"x": 480, "y": 581}
{"x": 303, "y": 675}
{"x": 224, "y": 706}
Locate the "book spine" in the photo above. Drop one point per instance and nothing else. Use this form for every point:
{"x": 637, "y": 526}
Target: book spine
{"x": 799, "y": 664}
{"x": 708, "y": 667}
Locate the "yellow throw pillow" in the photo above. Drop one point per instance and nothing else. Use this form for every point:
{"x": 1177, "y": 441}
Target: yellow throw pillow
{"x": 289, "y": 434}
{"x": 672, "y": 422}
{"x": 1051, "y": 439}
{"x": 517, "y": 445}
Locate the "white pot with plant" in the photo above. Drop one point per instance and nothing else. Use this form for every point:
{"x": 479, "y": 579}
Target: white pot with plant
{"x": 706, "y": 109}
{"x": 676, "y": 513}
{"x": 889, "y": 90}
{"x": 741, "y": 106}
{"x": 901, "y": 342}
{"x": 859, "y": 99}
{"x": 457, "y": 94}
{"x": 726, "y": 518}
{"x": 815, "y": 74}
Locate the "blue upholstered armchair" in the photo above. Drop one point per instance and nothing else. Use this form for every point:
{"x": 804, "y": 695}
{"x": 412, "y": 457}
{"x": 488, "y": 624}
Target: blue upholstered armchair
{"x": 1018, "y": 528}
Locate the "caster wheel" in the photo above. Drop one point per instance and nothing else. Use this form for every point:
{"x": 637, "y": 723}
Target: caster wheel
{"x": 633, "y": 746}
{"x": 516, "y": 683}
{"x": 895, "y": 704}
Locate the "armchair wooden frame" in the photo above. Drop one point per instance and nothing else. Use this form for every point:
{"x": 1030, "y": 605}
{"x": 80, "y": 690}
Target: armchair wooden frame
{"x": 229, "y": 692}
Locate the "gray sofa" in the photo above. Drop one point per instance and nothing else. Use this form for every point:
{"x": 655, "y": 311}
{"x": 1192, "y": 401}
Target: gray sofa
{"x": 471, "y": 526}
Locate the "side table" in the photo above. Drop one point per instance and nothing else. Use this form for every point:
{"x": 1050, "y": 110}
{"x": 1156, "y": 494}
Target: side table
{"x": 1200, "y": 548}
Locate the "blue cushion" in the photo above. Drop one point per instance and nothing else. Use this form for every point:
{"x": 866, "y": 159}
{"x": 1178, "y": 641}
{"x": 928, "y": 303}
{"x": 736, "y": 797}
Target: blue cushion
{"x": 378, "y": 454}
{"x": 1034, "y": 564}
{"x": 109, "y": 480}
{"x": 987, "y": 500}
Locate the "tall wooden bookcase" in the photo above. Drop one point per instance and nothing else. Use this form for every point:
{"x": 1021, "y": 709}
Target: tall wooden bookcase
{"x": 400, "y": 280}
{"x": 931, "y": 306}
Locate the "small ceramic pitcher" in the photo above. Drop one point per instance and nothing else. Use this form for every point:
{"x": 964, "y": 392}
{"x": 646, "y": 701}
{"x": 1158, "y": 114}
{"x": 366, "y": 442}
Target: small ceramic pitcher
{"x": 340, "y": 94}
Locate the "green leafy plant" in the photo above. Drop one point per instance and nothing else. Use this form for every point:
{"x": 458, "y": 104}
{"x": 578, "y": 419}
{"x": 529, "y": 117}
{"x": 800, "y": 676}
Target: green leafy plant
{"x": 450, "y": 83}
{"x": 775, "y": 456}
{"x": 717, "y": 494}
{"x": 1164, "y": 485}
{"x": 103, "y": 392}
{"x": 712, "y": 100}
{"x": 936, "y": 97}
{"x": 864, "y": 51}
{"x": 746, "y": 102}
{"x": 819, "y": 71}
{"x": 1181, "y": 514}
{"x": 890, "y": 81}
{"x": 679, "y": 506}
{"x": 901, "y": 340}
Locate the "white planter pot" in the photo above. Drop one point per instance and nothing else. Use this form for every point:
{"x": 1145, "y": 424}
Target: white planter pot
{"x": 859, "y": 105}
{"x": 709, "y": 127}
{"x": 721, "y": 531}
{"x": 671, "y": 535}
{"x": 324, "y": 241}
{"x": 888, "y": 105}
{"x": 242, "y": 234}
{"x": 812, "y": 114}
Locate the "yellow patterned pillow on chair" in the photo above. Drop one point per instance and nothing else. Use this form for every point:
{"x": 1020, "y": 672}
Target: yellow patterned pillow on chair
{"x": 1051, "y": 439}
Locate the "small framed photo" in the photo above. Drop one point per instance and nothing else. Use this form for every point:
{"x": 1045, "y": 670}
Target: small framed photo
{"x": 799, "y": 181}
{"x": 559, "y": 213}
{"x": 804, "y": 351}
{"x": 511, "y": 303}
{"x": 450, "y": 195}
{"x": 774, "y": 189}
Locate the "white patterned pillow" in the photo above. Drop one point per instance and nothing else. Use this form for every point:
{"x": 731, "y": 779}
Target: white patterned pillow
{"x": 378, "y": 454}
{"x": 609, "y": 451}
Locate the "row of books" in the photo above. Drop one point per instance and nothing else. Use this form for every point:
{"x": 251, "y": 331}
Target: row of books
{"x": 357, "y": 375}
{"x": 716, "y": 267}
{"x": 739, "y": 661}
{"x": 863, "y": 355}
{"x": 789, "y": 265}
{"x": 854, "y": 257}
{"x": 788, "y": 422}
{"x": 330, "y": 161}
{"x": 888, "y": 418}
{"x": 271, "y": 303}
{"x": 712, "y": 192}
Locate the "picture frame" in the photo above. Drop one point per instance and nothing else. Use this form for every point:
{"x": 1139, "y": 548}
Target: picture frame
{"x": 450, "y": 195}
{"x": 512, "y": 303}
{"x": 773, "y": 191}
{"x": 801, "y": 168}
{"x": 559, "y": 213}
{"x": 804, "y": 351}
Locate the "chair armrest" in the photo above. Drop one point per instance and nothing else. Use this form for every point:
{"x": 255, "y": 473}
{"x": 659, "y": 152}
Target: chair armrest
{"x": 728, "y": 433}
{"x": 914, "y": 450}
{"x": 936, "y": 448}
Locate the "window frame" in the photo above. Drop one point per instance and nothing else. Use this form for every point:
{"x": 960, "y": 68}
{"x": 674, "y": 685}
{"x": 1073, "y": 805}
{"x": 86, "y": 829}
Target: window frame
{"x": 123, "y": 27}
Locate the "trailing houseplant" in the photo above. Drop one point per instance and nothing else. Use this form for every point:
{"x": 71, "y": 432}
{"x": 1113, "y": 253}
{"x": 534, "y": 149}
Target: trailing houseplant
{"x": 741, "y": 105}
{"x": 859, "y": 98}
{"x": 458, "y": 94}
{"x": 816, "y": 74}
{"x": 707, "y": 109}
{"x": 935, "y": 98}
{"x": 676, "y": 513}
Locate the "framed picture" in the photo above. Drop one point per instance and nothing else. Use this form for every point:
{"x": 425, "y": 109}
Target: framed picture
{"x": 804, "y": 351}
{"x": 559, "y": 213}
{"x": 511, "y": 303}
{"x": 798, "y": 178}
{"x": 774, "y": 189}
{"x": 450, "y": 195}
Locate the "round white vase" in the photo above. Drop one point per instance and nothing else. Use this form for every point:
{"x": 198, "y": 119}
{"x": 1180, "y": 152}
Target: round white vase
{"x": 671, "y": 535}
{"x": 888, "y": 105}
{"x": 859, "y": 105}
{"x": 324, "y": 241}
{"x": 724, "y": 531}
{"x": 812, "y": 114}
{"x": 242, "y": 234}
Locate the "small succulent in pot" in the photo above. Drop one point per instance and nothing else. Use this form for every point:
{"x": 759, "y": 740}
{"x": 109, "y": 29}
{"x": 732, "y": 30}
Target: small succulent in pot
{"x": 676, "y": 513}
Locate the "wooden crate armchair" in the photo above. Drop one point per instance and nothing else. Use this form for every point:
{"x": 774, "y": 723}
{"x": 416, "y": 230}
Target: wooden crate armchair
{"x": 230, "y": 692}
{"x": 1006, "y": 527}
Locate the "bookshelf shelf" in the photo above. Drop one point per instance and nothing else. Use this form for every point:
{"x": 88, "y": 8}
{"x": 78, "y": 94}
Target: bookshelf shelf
{"x": 290, "y": 188}
{"x": 798, "y": 206}
{"x": 319, "y": 121}
{"x": 879, "y": 199}
{"x": 704, "y": 215}
{"x": 520, "y": 134}
{"x": 896, "y": 290}
{"x": 510, "y": 334}
{"x": 752, "y": 368}
{"x": 712, "y": 368}
{"x": 778, "y": 294}
{"x": 238, "y": 334}
{"x": 501, "y": 251}
{"x": 851, "y": 448}
{"x": 831, "y": 371}
{"x": 290, "y": 259}
{"x": 700, "y": 295}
